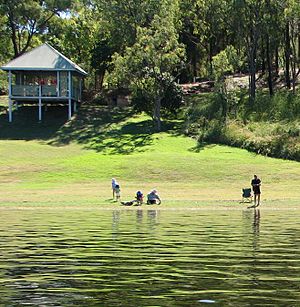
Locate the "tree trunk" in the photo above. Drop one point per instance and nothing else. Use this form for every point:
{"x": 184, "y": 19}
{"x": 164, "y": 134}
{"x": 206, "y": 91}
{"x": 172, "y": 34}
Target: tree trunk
{"x": 252, "y": 85}
{"x": 263, "y": 59}
{"x": 210, "y": 57}
{"x": 224, "y": 95}
{"x": 156, "y": 113}
{"x": 269, "y": 62}
{"x": 298, "y": 42}
{"x": 287, "y": 56}
{"x": 294, "y": 59}
{"x": 100, "y": 78}
{"x": 252, "y": 46}
{"x": 277, "y": 61}
{"x": 194, "y": 63}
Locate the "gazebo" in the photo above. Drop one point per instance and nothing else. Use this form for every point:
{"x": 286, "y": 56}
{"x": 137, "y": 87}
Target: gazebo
{"x": 41, "y": 76}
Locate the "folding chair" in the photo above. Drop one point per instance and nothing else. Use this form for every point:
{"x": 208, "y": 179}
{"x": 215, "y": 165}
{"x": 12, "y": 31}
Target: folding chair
{"x": 246, "y": 196}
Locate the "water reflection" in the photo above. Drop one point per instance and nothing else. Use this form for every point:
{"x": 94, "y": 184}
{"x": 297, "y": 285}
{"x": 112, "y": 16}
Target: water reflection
{"x": 256, "y": 222}
{"x": 115, "y": 223}
{"x": 152, "y": 218}
{"x": 139, "y": 216}
{"x": 149, "y": 258}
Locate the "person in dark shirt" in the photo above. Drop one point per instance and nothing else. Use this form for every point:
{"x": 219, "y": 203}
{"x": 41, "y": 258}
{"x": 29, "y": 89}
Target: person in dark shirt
{"x": 255, "y": 183}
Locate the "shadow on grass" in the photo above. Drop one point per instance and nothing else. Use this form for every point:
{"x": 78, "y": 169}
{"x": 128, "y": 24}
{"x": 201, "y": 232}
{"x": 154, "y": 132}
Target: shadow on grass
{"x": 200, "y": 146}
{"x": 95, "y": 127}
{"x": 102, "y": 130}
{"x": 25, "y": 125}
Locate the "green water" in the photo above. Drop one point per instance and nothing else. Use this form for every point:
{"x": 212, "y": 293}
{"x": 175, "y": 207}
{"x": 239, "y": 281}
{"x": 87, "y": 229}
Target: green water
{"x": 78, "y": 257}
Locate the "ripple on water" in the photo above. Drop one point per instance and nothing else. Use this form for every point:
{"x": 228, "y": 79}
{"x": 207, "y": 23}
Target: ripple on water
{"x": 149, "y": 258}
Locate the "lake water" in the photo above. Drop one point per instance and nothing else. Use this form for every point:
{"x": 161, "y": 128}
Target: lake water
{"x": 148, "y": 257}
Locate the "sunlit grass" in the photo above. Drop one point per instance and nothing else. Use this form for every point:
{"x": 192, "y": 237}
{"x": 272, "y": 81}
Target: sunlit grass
{"x": 75, "y": 166}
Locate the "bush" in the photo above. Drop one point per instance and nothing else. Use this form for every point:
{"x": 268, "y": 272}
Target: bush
{"x": 279, "y": 139}
{"x": 270, "y": 126}
{"x": 142, "y": 100}
{"x": 3, "y": 83}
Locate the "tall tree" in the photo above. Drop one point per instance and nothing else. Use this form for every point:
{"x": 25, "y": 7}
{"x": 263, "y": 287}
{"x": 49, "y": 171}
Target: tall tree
{"x": 118, "y": 26}
{"x": 25, "y": 19}
{"x": 75, "y": 34}
{"x": 248, "y": 15}
{"x": 5, "y": 47}
{"x": 154, "y": 59}
{"x": 292, "y": 14}
{"x": 272, "y": 26}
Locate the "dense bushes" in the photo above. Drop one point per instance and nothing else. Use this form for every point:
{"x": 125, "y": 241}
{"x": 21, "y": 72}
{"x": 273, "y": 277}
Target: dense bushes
{"x": 3, "y": 83}
{"x": 142, "y": 100}
{"x": 270, "y": 127}
{"x": 279, "y": 139}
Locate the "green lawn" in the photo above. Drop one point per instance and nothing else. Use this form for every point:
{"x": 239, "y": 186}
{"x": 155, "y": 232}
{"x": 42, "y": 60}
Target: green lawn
{"x": 63, "y": 163}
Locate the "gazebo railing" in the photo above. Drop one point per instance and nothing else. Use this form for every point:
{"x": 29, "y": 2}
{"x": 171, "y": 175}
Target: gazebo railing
{"x": 25, "y": 90}
{"x": 33, "y": 90}
{"x": 46, "y": 91}
{"x": 49, "y": 91}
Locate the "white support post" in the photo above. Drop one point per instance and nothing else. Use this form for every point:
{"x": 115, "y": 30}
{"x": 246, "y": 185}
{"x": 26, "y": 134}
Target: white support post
{"x": 9, "y": 98}
{"x": 70, "y": 109}
{"x": 70, "y": 95}
{"x": 57, "y": 84}
{"x": 75, "y": 106}
{"x": 40, "y": 103}
{"x": 9, "y": 110}
{"x": 80, "y": 90}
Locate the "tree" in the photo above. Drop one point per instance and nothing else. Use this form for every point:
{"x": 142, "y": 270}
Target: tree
{"x": 227, "y": 61}
{"x": 249, "y": 14}
{"x": 25, "y": 19}
{"x": 119, "y": 21}
{"x": 292, "y": 14}
{"x": 150, "y": 63}
{"x": 5, "y": 47}
{"x": 75, "y": 34}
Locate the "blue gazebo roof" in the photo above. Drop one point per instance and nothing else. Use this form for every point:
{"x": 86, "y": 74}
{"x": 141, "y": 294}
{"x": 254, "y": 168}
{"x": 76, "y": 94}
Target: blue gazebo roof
{"x": 43, "y": 58}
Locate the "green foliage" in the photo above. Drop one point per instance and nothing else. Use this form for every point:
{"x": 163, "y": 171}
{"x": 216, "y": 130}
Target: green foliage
{"x": 172, "y": 100}
{"x": 283, "y": 105}
{"x": 5, "y": 46}
{"x": 142, "y": 100}
{"x": 281, "y": 139}
{"x": 3, "y": 83}
{"x": 225, "y": 62}
{"x": 150, "y": 63}
{"x": 205, "y": 105}
{"x": 25, "y": 19}
{"x": 271, "y": 127}
{"x": 102, "y": 54}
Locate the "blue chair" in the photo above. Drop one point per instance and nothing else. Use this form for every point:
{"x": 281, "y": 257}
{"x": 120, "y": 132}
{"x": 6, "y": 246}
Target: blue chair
{"x": 246, "y": 196}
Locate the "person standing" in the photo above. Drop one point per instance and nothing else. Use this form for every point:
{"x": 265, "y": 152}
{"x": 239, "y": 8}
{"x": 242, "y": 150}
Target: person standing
{"x": 255, "y": 183}
{"x": 118, "y": 192}
{"x": 114, "y": 183}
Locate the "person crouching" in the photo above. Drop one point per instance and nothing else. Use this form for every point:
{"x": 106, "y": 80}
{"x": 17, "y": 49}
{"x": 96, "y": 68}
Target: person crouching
{"x": 153, "y": 198}
{"x": 139, "y": 198}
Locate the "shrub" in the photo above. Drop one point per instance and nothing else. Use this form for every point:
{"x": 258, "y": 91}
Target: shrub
{"x": 142, "y": 100}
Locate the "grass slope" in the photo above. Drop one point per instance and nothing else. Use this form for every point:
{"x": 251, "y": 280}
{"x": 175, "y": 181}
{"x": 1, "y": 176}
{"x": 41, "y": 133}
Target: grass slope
{"x": 63, "y": 163}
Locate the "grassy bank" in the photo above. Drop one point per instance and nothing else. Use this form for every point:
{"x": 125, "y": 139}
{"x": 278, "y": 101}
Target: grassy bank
{"x": 72, "y": 163}
{"x": 270, "y": 127}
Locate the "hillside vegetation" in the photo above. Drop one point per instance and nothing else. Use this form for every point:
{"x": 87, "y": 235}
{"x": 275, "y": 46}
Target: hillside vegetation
{"x": 270, "y": 127}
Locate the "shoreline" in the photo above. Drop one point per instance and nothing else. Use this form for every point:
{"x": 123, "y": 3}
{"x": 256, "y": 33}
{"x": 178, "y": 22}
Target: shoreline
{"x": 276, "y": 205}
